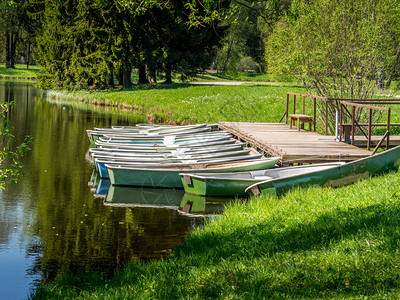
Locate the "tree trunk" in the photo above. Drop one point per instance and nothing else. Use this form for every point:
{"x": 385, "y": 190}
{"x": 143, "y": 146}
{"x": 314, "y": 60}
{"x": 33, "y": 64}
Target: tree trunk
{"x": 127, "y": 76}
{"x": 230, "y": 45}
{"x": 143, "y": 75}
{"x": 111, "y": 79}
{"x": 13, "y": 47}
{"x": 168, "y": 73}
{"x": 7, "y": 49}
{"x": 28, "y": 55}
{"x": 151, "y": 74}
{"x": 120, "y": 75}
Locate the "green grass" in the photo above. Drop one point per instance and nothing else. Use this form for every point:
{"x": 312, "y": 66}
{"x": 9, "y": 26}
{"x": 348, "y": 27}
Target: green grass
{"x": 252, "y": 77}
{"x": 20, "y": 72}
{"x": 312, "y": 243}
{"x": 182, "y": 103}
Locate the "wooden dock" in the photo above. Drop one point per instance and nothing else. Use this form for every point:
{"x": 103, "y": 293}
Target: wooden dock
{"x": 293, "y": 146}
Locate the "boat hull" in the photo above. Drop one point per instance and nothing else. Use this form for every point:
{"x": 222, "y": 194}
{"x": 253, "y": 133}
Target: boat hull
{"x": 170, "y": 178}
{"x": 235, "y": 184}
{"x": 338, "y": 176}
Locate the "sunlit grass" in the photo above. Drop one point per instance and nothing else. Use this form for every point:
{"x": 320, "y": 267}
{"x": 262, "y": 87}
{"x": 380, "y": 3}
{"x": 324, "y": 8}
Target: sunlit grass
{"x": 312, "y": 243}
{"x": 20, "y": 72}
{"x": 183, "y": 103}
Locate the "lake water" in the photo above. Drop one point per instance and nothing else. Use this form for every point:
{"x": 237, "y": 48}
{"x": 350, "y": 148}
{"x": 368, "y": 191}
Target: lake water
{"x": 56, "y": 219}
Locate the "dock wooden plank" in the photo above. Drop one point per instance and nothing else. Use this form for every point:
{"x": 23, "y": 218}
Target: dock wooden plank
{"x": 292, "y": 145}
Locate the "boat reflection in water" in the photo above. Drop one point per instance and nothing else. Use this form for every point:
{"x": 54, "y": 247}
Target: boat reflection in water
{"x": 192, "y": 205}
{"x": 98, "y": 186}
{"x": 200, "y": 205}
{"x": 144, "y": 197}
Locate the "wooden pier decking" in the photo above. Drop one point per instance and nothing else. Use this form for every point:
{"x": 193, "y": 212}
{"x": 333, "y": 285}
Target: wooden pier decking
{"x": 291, "y": 145}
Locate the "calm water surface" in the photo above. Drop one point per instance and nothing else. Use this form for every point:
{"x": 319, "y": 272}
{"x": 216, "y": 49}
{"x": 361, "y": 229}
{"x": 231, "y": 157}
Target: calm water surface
{"x": 52, "y": 222}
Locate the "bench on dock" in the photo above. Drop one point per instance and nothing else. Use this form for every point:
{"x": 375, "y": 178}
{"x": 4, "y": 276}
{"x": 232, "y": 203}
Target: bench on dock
{"x": 299, "y": 118}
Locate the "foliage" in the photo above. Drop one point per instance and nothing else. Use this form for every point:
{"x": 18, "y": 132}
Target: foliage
{"x": 249, "y": 23}
{"x": 10, "y": 154}
{"x": 339, "y": 48}
{"x": 312, "y": 243}
{"x": 86, "y": 44}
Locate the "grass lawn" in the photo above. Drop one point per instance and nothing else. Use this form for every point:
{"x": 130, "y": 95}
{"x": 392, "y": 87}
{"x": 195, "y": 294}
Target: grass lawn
{"x": 20, "y": 72}
{"x": 183, "y": 103}
{"x": 312, "y": 243}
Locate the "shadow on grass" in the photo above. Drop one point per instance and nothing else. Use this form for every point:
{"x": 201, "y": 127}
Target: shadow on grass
{"x": 304, "y": 246}
{"x": 274, "y": 237}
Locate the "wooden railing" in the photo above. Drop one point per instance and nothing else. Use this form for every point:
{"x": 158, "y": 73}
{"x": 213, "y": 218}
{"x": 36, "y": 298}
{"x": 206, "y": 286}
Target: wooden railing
{"x": 292, "y": 108}
{"x": 303, "y": 96}
{"x": 355, "y": 124}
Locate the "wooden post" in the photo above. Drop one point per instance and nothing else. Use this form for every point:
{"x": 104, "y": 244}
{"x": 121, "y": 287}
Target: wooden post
{"x": 294, "y": 104}
{"x": 315, "y": 113}
{"x": 369, "y": 129}
{"x": 353, "y": 111}
{"x": 341, "y": 122}
{"x": 304, "y": 105}
{"x": 287, "y": 107}
{"x": 388, "y": 129}
{"x": 326, "y": 117}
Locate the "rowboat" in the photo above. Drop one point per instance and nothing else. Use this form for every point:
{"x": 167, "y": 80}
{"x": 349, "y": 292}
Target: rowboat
{"x": 164, "y": 158}
{"x": 173, "y": 137}
{"x": 337, "y": 176}
{"x": 95, "y": 134}
{"x": 173, "y": 152}
{"x": 166, "y": 141}
{"x": 201, "y": 205}
{"x": 124, "y": 196}
{"x": 235, "y": 184}
{"x": 183, "y": 163}
{"x": 148, "y": 130}
{"x": 191, "y": 145}
{"x": 168, "y": 176}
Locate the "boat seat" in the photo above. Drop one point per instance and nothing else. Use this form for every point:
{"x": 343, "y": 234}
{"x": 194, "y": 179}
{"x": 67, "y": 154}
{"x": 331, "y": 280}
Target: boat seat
{"x": 260, "y": 177}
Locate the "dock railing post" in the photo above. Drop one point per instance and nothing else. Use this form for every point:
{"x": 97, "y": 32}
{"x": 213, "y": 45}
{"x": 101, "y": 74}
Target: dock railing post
{"x": 304, "y": 104}
{"x": 353, "y": 111}
{"x": 287, "y": 106}
{"x": 388, "y": 129}
{"x": 315, "y": 113}
{"x": 337, "y": 125}
{"x": 369, "y": 129}
{"x": 341, "y": 122}
{"x": 326, "y": 117}
{"x": 294, "y": 104}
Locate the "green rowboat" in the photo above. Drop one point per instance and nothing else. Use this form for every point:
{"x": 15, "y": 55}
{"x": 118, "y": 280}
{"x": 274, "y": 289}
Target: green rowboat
{"x": 235, "y": 184}
{"x": 168, "y": 177}
{"x": 338, "y": 176}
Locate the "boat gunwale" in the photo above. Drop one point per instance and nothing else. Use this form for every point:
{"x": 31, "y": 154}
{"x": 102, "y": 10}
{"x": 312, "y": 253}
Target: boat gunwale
{"x": 223, "y": 165}
{"x": 214, "y": 176}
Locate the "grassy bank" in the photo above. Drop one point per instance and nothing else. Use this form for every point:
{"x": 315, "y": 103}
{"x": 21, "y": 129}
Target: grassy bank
{"x": 312, "y": 243}
{"x": 20, "y": 72}
{"x": 183, "y": 103}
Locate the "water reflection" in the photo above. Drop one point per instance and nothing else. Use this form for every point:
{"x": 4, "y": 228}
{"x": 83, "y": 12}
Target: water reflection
{"x": 50, "y": 222}
{"x": 194, "y": 205}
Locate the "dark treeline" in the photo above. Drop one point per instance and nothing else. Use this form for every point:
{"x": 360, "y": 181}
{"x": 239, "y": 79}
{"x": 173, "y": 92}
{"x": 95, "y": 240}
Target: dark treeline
{"x": 83, "y": 44}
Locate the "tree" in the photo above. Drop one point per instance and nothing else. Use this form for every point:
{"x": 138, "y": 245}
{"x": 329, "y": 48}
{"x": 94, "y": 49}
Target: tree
{"x": 338, "y": 48}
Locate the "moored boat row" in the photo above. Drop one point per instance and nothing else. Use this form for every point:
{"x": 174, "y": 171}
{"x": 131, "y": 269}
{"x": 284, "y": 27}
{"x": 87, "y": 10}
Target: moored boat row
{"x": 212, "y": 164}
